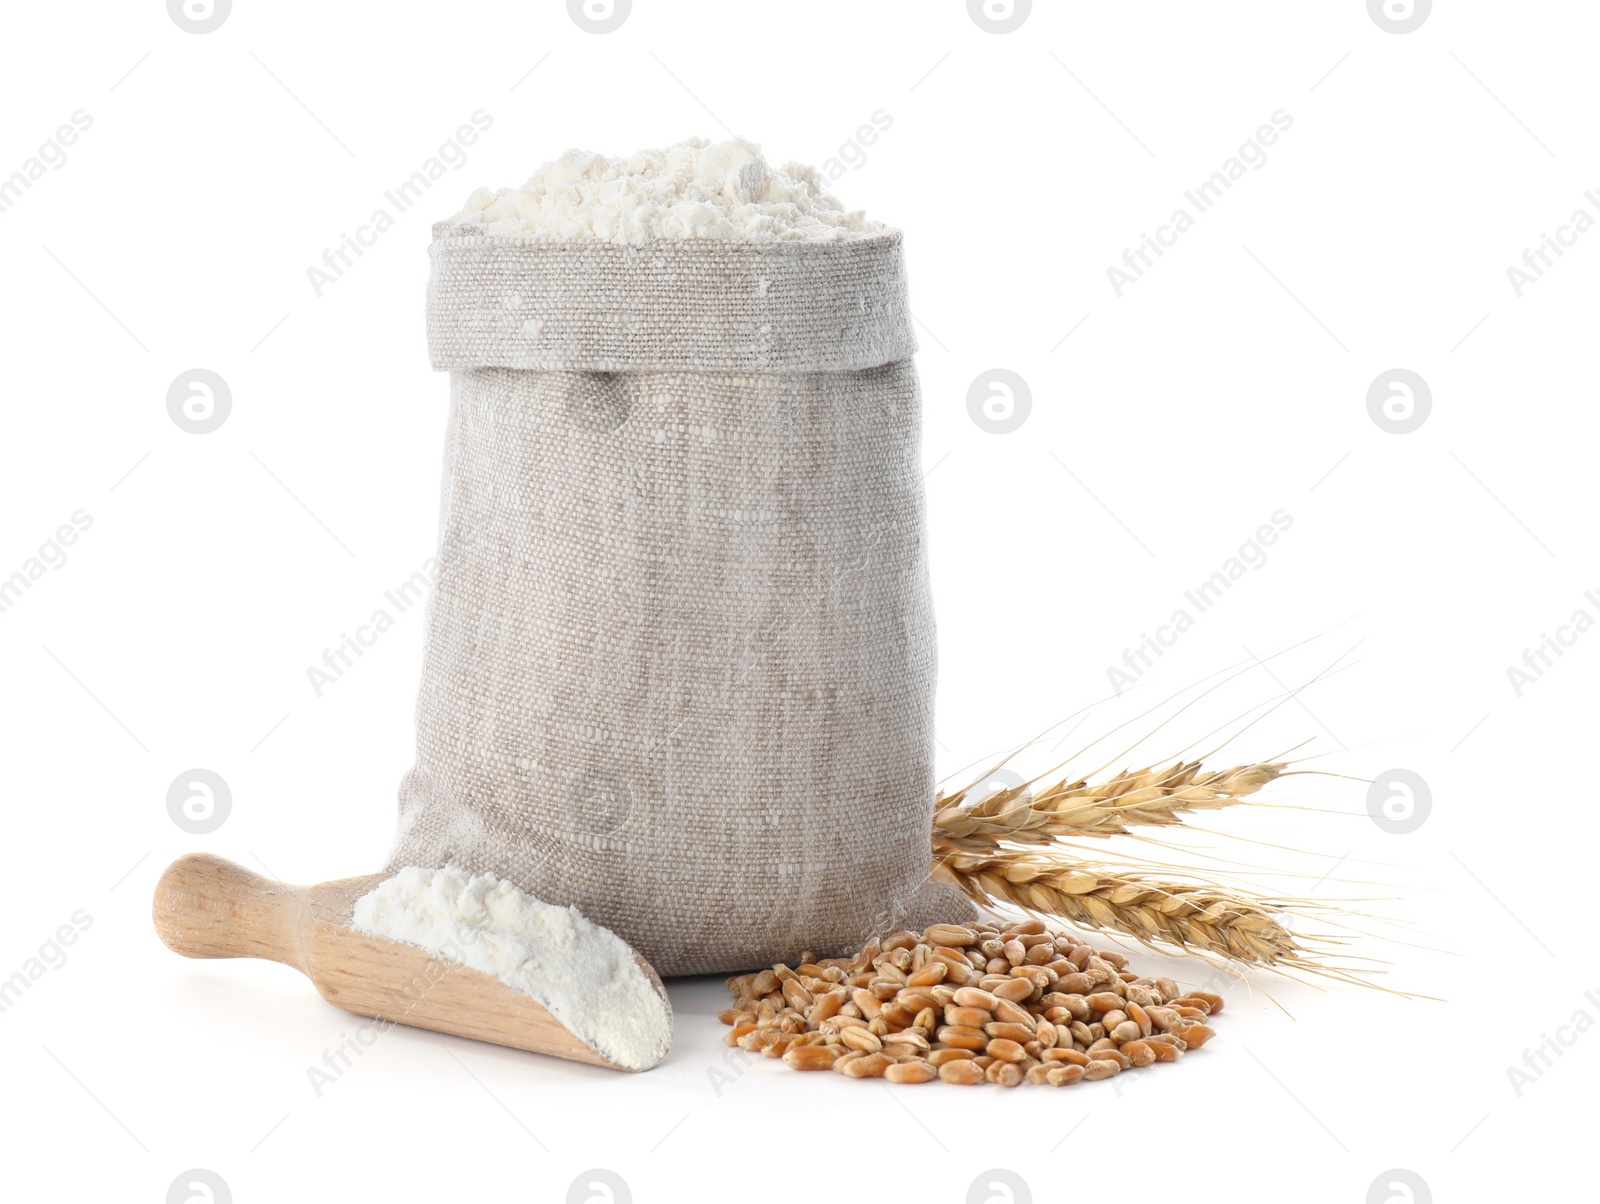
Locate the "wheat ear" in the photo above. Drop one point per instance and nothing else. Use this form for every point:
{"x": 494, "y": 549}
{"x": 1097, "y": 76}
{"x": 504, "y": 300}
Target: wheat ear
{"x": 1205, "y": 921}
{"x": 1151, "y": 797}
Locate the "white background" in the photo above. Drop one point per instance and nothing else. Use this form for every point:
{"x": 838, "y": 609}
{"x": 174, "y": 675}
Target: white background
{"x": 1227, "y": 384}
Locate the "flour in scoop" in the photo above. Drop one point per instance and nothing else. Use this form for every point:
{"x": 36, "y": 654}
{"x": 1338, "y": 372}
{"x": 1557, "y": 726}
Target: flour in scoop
{"x": 692, "y": 189}
{"x": 581, "y": 973}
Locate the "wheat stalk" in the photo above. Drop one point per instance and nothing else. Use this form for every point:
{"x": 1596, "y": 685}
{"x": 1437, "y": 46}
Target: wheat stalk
{"x": 1004, "y": 850}
{"x": 1151, "y": 797}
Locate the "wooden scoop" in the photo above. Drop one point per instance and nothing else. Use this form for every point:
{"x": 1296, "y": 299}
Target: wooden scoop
{"x": 206, "y": 906}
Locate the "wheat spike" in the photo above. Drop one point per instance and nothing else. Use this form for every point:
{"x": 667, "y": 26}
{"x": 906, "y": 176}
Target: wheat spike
{"x": 1151, "y": 797}
{"x": 1206, "y": 921}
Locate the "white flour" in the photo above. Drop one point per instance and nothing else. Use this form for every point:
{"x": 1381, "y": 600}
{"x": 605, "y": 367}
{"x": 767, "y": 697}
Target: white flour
{"x": 583, "y": 974}
{"x": 693, "y": 189}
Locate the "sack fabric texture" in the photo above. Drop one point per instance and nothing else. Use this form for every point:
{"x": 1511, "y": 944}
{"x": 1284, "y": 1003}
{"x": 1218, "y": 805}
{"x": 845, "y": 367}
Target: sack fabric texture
{"x": 680, "y": 653}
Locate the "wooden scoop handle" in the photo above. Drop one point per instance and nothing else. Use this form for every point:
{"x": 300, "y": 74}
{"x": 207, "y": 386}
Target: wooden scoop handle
{"x": 206, "y": 906}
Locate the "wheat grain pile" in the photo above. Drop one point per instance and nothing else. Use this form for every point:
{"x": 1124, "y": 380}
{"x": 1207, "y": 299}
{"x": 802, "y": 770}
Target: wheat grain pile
{"x": 994, "y": 1002}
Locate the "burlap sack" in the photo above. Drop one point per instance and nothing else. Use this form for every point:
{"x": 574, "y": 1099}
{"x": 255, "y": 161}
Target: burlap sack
{"x": 680, "y": 655}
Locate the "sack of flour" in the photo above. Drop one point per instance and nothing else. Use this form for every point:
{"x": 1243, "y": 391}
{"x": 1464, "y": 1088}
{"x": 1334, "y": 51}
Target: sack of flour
{"x": 680, "y": 655}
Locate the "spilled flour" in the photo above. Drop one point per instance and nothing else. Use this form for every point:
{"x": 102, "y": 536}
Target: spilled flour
{"x": 583, "y": 974}
{"x": 693, "y": 189}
